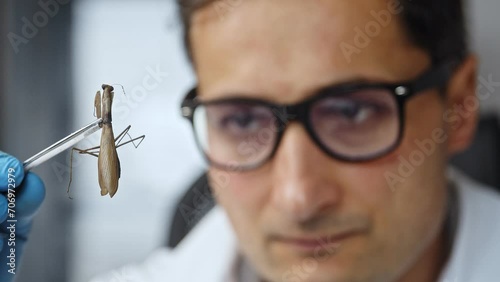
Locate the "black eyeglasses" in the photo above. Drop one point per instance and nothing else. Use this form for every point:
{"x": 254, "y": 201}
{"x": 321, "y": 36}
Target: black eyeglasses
{"x": 349, "y": 122}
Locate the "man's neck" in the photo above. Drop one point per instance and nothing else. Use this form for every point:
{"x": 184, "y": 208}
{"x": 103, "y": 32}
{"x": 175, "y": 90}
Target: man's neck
{"x": 431, "y": 264}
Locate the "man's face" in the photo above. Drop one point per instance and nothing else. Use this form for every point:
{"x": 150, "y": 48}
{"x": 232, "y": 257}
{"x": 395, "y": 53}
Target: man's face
{"x": 288, "y": 212}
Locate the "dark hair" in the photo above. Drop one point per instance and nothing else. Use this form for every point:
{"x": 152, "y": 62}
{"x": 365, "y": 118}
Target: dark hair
{"x": 436, "y": 26}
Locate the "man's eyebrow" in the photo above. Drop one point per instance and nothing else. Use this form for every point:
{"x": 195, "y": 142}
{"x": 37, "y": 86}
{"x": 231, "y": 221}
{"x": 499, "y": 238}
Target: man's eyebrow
{"x": 355, "y": 81}
{"x": 359, "y": 80}
{"x": 233, "y": 93}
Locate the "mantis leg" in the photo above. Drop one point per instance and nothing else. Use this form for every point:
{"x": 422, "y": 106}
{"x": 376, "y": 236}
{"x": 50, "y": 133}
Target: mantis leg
{"x": 132, "y": 141}
{"x": 88, "y": 152}
{"x": 94, "y": 151}
{"x": 120, "y": 137}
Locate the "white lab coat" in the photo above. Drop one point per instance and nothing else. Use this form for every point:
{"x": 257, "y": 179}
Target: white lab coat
{"x": 208, "y": 253}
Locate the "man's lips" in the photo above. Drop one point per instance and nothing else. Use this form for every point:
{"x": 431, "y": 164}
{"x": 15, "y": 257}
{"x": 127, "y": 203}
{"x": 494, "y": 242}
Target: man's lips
{"x": 314, "y": 243}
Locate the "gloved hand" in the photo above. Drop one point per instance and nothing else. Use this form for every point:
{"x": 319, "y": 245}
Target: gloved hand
{"x": 20, "y": 197}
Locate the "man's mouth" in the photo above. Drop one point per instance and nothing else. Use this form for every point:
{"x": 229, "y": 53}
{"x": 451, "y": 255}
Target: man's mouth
{"x": 314, "y": 244}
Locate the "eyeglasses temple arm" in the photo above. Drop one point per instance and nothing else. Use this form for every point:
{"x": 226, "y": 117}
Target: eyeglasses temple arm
{"x": 436, "y": 78}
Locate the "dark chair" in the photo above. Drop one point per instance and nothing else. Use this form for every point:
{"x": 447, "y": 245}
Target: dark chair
{"x": 481, "y": 161}
{"x": 195, "y": 203}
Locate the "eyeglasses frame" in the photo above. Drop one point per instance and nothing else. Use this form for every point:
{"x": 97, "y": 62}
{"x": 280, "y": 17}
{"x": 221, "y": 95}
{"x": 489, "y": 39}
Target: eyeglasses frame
{"x": 436, "y": 77}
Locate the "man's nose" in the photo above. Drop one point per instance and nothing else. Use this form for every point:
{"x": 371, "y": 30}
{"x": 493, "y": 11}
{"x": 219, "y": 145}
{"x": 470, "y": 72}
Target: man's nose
{"x": 304, "y": 183}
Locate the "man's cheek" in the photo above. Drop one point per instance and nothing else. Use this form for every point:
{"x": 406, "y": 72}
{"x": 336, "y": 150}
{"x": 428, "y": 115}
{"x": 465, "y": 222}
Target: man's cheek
{"x": 237, "y": 188}
{"x": 407, "y": 162}
{"x": 368, "y": 182}
{"x": 219, "y": 180}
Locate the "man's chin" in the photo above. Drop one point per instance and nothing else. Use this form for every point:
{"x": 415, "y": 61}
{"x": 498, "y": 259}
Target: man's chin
{"x": 312, "y": 271}
{"x": 329, "y": 268}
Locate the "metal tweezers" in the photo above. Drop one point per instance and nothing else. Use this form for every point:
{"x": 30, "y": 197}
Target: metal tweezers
{"x": 62, "y": 145}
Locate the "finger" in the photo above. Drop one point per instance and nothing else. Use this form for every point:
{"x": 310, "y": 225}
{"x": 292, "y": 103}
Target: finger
{"x": 3, "y": 217}
{"x": 22, "y": 205}
{"x": 29, "y": 196}
{"x": 26, "y": 201}
{"x": 3, "y": 208}
{"x": 10, "y": 168}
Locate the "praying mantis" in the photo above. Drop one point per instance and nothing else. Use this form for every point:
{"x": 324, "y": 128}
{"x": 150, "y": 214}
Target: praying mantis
{"x": 108, "y": 163}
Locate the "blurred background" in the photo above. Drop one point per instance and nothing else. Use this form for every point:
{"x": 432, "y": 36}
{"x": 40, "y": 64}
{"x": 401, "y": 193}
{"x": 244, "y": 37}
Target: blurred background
{"x": 53, "y": 59}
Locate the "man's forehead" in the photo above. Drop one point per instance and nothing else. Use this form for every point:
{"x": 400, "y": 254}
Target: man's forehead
{"x": 305, "y": 37}
{"x": 289, "y": 17}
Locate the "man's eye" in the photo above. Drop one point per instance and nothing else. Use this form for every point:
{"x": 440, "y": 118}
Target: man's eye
{"x": 242, "y": 124}
{"x": 351, "y": 111}
{"x": 243, "y": 121}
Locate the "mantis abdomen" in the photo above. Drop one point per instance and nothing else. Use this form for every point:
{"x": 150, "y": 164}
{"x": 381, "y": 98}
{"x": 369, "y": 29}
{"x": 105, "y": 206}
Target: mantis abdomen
{"x": 108, "y": 163}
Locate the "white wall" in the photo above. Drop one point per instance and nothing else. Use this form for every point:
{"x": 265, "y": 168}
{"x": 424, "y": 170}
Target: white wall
{"x": 485, "y": 36}
{"x": 117, "y": 42}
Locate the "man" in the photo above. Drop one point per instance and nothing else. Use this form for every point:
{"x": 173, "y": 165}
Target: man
{"x": 328, "y": 126}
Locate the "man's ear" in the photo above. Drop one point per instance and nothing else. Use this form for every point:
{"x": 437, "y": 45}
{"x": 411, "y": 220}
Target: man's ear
{"x": 462, "y": 109}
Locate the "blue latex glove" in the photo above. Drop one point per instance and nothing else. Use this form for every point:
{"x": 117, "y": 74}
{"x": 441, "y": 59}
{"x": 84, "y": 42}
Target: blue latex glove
{"x": 29, "y": 193}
